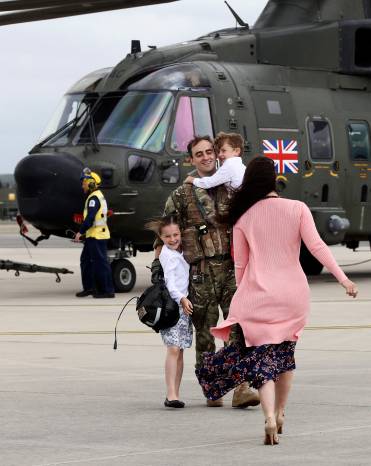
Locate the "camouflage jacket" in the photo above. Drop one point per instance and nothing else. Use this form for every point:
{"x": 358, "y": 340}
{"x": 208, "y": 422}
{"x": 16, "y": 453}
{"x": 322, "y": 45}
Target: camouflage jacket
{"x": 197, "y": 211}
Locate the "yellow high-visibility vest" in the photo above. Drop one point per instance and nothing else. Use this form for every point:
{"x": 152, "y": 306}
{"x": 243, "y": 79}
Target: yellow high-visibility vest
{"x": 99, "y": 229}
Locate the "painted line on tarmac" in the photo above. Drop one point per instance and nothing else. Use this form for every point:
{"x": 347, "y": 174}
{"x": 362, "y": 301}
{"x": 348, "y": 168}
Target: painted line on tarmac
{"x": 339, "y": 327}
{"x": 204, "y": 445}
{"x": 149, "y": 332}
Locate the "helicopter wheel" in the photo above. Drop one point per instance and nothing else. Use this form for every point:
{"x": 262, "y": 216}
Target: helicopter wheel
{"x": 310, "y": 264}
{"x": 123, "y": 275}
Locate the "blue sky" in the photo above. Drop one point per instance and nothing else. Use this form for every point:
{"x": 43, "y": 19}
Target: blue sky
{"x": 40, "y": 61}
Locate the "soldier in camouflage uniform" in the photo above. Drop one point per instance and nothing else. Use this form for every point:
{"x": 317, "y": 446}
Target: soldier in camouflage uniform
{"x": 206, "y": 247}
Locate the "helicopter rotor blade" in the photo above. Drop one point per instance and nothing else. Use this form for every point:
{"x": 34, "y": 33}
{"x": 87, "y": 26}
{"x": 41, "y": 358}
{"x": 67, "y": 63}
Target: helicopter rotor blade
{"x": 21, "y": 11}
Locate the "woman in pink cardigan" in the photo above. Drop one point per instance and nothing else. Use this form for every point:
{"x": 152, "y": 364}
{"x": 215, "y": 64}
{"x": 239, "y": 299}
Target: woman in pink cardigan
{"x": 271, "y": 304}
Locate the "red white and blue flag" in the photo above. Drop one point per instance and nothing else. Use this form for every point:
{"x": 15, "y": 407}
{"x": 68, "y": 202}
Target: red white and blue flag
{"x": 284, "y": 153}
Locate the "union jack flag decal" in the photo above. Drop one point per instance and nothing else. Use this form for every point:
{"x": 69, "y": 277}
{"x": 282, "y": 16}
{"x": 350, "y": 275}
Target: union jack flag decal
{"x": 284, "y": 153}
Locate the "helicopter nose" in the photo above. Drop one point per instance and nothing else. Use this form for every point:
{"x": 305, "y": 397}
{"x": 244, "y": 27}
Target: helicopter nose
{"x": 49, "y": 190}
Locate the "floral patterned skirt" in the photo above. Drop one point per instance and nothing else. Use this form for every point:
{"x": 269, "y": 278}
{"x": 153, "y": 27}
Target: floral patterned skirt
{"x": 234, "y": 364}
{"x": 181, "y": 334}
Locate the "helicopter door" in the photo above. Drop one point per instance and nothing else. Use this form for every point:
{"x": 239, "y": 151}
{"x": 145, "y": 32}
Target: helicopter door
{"x": 321, "y": 183}
{"x": 359, "y": 197}
{"x": 321, "y": 177}
{"x": 321, "y": 186}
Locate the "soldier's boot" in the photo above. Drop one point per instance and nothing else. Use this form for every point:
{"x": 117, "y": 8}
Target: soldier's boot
{"x": 215, "y": 403}
{"x": 243, "y": 397}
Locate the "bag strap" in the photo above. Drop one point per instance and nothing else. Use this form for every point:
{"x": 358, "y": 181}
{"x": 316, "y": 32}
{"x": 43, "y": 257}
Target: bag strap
{"x": 180, "y": 212}
{"x": 157, "y": 272}
{"x": 199, "y": 205}
{"x": 115, "y": 342}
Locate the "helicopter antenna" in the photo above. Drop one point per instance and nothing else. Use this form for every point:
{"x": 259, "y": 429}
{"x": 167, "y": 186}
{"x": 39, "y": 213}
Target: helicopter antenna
{"x": 239, "y": 20}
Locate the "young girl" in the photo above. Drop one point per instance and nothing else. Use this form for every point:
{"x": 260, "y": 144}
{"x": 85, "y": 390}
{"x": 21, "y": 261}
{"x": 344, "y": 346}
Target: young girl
{"x": 176, "y": 273}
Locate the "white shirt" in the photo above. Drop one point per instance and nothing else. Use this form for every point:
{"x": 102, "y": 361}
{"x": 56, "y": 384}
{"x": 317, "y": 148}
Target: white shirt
{"x": 176, "y": 273}
{"x": 231, "y": 174}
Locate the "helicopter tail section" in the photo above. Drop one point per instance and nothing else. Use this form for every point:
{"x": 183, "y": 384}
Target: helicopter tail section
{"x": 329, "y": 35}
{"x": 284, "y": 13}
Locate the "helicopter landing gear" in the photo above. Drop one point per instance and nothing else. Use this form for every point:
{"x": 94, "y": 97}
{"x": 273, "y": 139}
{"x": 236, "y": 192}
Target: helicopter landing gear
{"x": 310, "y": 264}
{"x": 123, "y": 275}
{"x": 123, "y": 271}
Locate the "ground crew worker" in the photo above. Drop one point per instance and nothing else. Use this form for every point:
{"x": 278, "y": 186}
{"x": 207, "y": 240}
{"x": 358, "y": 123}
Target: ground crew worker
{"x": 96, "y": 272}
{"x": 206, "y": 247}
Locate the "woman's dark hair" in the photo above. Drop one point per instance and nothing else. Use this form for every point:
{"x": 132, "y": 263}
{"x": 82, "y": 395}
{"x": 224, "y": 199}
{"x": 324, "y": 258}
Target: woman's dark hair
{"x": 157, "y": 224}
{"x": 259, "y": 180}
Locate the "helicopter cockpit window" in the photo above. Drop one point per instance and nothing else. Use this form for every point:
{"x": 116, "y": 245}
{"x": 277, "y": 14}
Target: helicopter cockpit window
{"x": 359, "y": 140}
{"x": 137, "y": 119}
{"x": 192, "y": 118}
{"x": 71, "y": 107}
{"x": 320, "y": 140}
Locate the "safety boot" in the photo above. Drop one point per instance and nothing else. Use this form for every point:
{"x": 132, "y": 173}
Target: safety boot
{"x": 215, "y": 403}
{"x": 83, "y": 293}
{"x": 243, "y": 397}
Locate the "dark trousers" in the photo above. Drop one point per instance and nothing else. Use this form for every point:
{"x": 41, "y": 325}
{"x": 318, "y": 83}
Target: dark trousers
{"x": 95, "y": 269}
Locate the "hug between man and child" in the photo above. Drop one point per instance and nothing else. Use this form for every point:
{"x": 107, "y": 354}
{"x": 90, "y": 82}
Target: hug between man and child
{"x": 264, "y": 314}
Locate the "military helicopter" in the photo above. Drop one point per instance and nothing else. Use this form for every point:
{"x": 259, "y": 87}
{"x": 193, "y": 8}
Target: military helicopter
{"x": 296, "y": 85}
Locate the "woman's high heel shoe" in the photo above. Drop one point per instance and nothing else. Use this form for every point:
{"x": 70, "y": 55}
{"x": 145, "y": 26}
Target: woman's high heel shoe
{"x": 271, "y": 437}
{"x": 280, "y": 418}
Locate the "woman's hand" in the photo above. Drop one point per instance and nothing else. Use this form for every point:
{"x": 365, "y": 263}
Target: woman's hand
{"x": 187, "y": 306}
{"x": 350, "y": 287}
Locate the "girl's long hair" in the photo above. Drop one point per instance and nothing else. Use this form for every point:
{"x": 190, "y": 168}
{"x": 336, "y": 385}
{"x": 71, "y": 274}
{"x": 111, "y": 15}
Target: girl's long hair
{"x": 157, "y": 224}
{"x": 259, "y": 180}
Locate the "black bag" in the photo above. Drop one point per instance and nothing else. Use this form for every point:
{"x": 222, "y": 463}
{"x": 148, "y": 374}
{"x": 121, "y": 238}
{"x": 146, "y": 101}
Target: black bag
{"x": 156, "y": 308}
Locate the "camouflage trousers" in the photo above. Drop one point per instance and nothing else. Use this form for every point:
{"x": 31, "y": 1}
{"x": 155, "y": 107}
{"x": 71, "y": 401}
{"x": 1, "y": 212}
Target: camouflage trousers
{"x": 210, "y": 291}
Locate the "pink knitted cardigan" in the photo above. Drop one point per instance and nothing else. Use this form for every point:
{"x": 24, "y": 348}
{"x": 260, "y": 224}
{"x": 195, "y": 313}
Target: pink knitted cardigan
{"x": 272, "y": 299}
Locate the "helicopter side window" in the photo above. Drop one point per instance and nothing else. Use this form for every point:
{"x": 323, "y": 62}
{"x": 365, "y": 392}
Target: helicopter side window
{"x": 274, "y": 107}
{"x": 359, "y": 140}
{"x": 140, "y": 168}
{"x": 192, "y": 118}
{"x": 320, "y": 140}
{"x": 171, "y": 175}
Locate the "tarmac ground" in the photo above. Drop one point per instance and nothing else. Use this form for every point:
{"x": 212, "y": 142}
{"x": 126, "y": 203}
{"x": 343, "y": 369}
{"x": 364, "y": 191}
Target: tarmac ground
{"x": 68, "y": 399}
